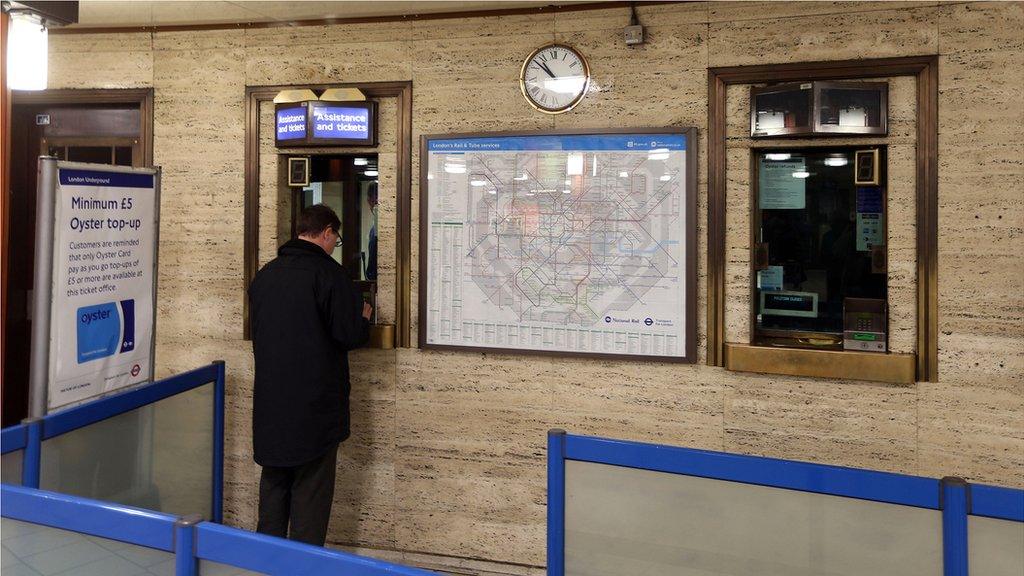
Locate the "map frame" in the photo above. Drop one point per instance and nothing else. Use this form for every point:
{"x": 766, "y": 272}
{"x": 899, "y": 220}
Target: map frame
{"x": 688, "y": 292}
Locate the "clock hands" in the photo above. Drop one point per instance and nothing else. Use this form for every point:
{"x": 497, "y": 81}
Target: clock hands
{"x": 546, "y": 69}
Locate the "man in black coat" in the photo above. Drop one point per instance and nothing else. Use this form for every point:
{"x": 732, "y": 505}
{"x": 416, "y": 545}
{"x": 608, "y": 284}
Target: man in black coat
{"x": 306, "y": 316}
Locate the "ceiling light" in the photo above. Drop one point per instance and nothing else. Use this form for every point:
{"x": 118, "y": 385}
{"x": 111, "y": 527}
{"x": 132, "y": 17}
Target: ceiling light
{"x": 777, "y": 156}
{"x": 665, "y": 178}
{"x": 566, "y": 191}
{"x": 26, "y": 52}
{"x": 360, "y": 161}
{"x": 836, "y": 161}
{"x": 520, "y": 178}
{"x": 478, "y": 183}
{"x": 370, "y": 173}
{"x": 801, "y": 174}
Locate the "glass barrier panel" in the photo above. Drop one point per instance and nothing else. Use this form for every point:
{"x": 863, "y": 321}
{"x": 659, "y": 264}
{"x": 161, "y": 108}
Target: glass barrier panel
{"x": 34, "y": 549}
{"x": 10, "y": 467}
{"x": 158, "y": 457}
{"x": 995, "y": 547}
{"x": 628, "y": 521}
{"x": 208, "y": 568}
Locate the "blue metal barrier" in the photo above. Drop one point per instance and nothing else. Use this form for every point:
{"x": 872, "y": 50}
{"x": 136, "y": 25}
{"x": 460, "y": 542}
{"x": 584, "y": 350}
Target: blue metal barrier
{"x": 29, "y": 435}
{"x": 189, "y": 540}
{"x": 92, "y": 517}
{"x": 260, "y": 553}
{"x": 953, "y": 496}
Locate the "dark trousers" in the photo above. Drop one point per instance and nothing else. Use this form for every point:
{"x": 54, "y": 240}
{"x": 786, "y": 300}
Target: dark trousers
{"x": 300, "y": 496}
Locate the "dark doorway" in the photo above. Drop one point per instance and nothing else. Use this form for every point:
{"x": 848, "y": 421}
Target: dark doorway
{"x": 102, "y": 132}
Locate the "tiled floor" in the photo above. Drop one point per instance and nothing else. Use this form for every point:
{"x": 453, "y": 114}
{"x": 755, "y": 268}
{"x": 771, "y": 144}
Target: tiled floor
{"x": 34, "y": 550}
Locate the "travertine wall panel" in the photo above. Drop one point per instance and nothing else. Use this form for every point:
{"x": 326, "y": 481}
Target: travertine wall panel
{"x": 447, "y": 452}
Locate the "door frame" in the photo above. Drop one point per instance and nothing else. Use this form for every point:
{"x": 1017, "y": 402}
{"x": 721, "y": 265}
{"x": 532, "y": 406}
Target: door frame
{"x": 143, "y": 97}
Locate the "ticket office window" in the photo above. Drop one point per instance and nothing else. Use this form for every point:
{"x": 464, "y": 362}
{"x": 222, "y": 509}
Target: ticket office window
{"x": 348, "y": 184}
{"x": 818, "y": 257}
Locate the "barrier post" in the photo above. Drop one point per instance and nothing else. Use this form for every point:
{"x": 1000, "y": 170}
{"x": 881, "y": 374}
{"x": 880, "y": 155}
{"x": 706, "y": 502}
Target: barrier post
{"x": 33, "y": 450}
{"x": 185, "y": 561}
{"x": 954, "y": 500}
{"x": 556, "y": 502}
{"x": 218, "y": 443}
{"x": 42, "y": 285}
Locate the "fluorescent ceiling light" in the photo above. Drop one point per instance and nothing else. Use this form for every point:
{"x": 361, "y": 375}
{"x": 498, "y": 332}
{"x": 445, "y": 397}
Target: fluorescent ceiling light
{"x": 801, "y": 174}
{"x": 360, "y": 161}
{"x": 478, "y": 183}
{"x": 836, "y": 161}
{"x": 26, "y": 52}
{"x": 370, "y": 172}
{"x": 777, "y": 156}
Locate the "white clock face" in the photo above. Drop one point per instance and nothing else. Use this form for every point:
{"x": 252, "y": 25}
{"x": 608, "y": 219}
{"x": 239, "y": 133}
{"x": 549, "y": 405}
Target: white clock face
{"x": 554, "y": 78}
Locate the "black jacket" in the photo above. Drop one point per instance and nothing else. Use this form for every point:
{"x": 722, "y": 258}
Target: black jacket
{"x": 306, "y": 316}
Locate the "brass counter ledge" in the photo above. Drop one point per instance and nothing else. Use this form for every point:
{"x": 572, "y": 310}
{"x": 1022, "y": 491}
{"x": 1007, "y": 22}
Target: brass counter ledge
{"x": 872, "y": 366}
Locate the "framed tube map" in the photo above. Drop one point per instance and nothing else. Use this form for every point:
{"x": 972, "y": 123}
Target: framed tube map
{"x": 577, "y": 243}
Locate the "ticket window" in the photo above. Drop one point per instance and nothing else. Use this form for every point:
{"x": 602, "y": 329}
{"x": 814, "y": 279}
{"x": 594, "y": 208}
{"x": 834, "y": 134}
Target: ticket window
{"x": 348, "y": 184}
{"x": 819, "y": 224}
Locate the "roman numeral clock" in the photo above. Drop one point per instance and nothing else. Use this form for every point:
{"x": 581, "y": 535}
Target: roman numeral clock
{"x": 554, "y": 78}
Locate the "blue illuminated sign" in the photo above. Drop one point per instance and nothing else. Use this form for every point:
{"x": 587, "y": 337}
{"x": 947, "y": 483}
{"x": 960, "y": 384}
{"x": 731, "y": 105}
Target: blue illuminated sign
{"x": 341, "y": 122}
{"x": 291, "y": 123}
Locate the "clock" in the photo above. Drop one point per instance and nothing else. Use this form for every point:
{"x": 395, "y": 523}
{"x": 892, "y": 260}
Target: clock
{"x": 554, "y": 78}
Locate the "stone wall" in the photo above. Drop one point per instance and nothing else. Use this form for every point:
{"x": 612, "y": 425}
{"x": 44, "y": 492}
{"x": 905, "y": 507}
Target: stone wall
{"x": 448, "y": 452}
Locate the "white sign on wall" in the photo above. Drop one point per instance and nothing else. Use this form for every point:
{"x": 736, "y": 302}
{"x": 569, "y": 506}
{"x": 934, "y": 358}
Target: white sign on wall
{"x": 104, "y": 284}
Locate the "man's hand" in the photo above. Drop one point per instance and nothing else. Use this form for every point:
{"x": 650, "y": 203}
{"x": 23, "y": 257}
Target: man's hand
{"x": 367, "y": 310}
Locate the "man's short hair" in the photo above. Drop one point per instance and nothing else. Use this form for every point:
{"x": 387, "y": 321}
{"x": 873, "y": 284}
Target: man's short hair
{"x": 314, "y": 219}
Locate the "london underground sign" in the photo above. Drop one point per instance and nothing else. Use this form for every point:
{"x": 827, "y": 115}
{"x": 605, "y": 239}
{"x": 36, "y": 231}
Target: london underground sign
{"x": 102, "y": 286}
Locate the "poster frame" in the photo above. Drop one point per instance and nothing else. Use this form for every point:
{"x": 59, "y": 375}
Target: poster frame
{"x": 46, "y": 202}
{"x": 689, "y": 292}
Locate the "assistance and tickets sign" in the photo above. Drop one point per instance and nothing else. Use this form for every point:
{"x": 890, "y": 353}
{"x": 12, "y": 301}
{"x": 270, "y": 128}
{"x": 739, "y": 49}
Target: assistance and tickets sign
{"x": 104, "y": 280}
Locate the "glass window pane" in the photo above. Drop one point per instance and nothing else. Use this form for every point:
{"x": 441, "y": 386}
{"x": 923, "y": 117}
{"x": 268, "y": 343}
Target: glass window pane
{"x": 627, "y": 521}
{"x": 995, "y": 547}
{"x": 33, "y": 549}
{"x": 782, "y": 110}
{"x": 158, "y": 457}
{"x": 10, "y": 467}
{"x": 850, "y": 107}
{"x": 207, "y": 568}
{"x": 819, "y": 252}
{"x": 94, "y": 154}
{"x": 123, "y": 155}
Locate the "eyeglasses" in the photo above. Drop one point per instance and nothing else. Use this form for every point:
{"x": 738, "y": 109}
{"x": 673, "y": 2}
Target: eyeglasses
{"x": 337, "y": 240}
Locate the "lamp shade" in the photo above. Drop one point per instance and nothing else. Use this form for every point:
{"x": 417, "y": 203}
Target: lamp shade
{"x": 26, "y": 53}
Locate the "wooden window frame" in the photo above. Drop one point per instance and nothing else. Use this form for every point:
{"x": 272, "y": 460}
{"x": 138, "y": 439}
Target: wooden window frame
{"x": 903, "y": 368}
{"x": 402, "y": 92}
